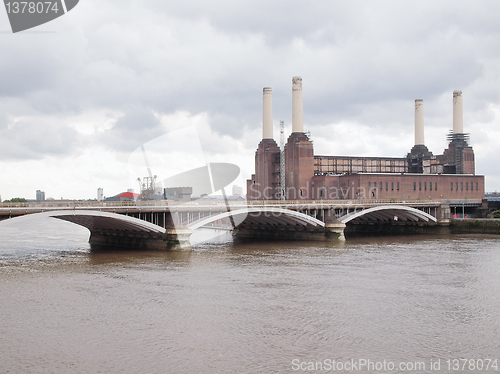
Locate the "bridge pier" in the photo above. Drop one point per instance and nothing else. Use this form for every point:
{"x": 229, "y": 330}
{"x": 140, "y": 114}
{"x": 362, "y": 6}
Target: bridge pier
{"x": 335, "y": 230}
{"x": 171, "y": 240}
{"x": 331, "y": 232}
{"x": 178, "y": 239}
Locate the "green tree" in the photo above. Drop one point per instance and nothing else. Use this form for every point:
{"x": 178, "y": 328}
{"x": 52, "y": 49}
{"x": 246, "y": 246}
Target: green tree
{"x": 496, "y": 214}
{"x": 16, "y": 200}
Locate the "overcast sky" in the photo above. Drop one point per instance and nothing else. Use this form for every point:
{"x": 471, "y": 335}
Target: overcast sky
{"x": 80, "y": 94}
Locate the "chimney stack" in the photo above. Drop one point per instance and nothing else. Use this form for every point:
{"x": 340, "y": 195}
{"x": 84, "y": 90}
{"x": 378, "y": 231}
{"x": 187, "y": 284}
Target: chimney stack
{"x": 297, "y": 105}
{"x": 267, "y": 114}
{"x": 419, "y": 122}
{"x": 458, "y": 113}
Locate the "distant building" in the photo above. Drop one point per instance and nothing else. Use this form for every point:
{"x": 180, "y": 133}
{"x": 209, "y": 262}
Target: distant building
{"x": 100, "y": 194}
{"x": 237, "y": 190}
{"x": 178, "y": 193}
{"x": 40, "y": 195}
{"x": 124, "y": 196}
{"x": 236, "y": 198}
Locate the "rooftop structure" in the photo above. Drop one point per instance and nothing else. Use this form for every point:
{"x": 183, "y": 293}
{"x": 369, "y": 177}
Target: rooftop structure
{"x": 124, "y": 196}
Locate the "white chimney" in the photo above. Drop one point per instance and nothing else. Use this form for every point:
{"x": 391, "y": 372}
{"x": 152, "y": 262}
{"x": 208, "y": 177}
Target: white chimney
{"x": 419, "y": 122}
{"x": 267, "y": 114}
{"x": 297, "y": 105}
{"x": 458, "y": 113}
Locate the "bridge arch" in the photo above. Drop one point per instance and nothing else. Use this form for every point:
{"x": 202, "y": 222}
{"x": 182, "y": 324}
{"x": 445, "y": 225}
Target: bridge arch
{"x": 96, "y": 220}
{"x": 387, "y": 213}
{"x": 269, "y": 216}
{"x": 123, "y": 232}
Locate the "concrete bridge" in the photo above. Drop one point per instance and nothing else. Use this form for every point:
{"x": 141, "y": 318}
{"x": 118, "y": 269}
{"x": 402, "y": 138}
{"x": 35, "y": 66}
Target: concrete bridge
{"x": 168, "y": 227}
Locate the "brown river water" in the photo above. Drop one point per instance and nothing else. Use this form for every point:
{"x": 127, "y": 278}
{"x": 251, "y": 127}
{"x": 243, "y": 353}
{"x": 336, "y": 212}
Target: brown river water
{"x": 400, "y": 304}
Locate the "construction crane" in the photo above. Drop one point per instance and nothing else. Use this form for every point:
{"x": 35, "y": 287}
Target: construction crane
{"x": 147, "y": 185}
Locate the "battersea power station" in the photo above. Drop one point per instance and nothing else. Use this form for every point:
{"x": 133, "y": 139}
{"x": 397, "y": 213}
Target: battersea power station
{"x": 294, "y": 172}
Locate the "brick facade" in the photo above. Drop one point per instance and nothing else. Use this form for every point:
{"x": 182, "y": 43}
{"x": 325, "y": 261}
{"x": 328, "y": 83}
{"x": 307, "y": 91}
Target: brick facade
{"x": 309, "y": 177}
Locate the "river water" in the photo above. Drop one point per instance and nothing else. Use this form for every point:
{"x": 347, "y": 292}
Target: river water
{"x": 247, "y": 308}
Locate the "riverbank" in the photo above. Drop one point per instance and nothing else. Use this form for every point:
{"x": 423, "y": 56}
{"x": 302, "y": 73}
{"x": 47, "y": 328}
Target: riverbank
{"x": 475, "y": 226}
{"x": 481, "y": 226}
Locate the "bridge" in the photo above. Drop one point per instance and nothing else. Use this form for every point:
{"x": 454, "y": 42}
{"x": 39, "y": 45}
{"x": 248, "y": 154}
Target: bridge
{"x": 389, "y": 213}
{"x": 163, "y": 225}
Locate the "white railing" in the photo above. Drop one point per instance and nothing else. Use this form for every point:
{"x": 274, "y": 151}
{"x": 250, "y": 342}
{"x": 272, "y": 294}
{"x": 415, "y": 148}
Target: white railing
{"x": 197, "y": 203}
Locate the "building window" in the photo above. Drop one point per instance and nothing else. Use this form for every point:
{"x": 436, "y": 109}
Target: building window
{"x": 451, "y": 186}
{"x": 381, "y": 186}
{"x": 398, "y": 186}
{"x": 414, "y": 186}
{"x": 392, "y": 186}
{"x": 420, "y": 186}
{"x": 456, "y": 186}
{"x": 466, "y": 186}
{"x": 461, "y": 186}
{"x": 369, "y": 185}
{"x": 425, "y": 186}
{"x": 436, "y": 186}
{"x": 430, "y": 186}
{"x": 387, "y": 186}
{"x": 477, "y": 186}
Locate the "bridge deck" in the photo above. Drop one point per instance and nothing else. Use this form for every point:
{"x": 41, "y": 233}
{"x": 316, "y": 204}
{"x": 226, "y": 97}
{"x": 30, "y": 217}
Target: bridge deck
{"x": 55, "y": 204}
{"x": 162, "y": 205}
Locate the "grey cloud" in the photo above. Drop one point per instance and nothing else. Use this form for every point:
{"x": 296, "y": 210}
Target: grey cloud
{"x": 335, "y": 22}
{"x": 137, "y": 126}
{"x": 29, "y": 70}
{"x": 28, "y": 139}
{"x": 166, "y": 75}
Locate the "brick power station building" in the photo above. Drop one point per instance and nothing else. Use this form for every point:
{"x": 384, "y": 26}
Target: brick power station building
{"x": 419, "y": 175}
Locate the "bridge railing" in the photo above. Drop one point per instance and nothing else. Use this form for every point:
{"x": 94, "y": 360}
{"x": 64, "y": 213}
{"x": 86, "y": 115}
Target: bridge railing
{"x": 342, "y": 202}
{"x": 233, "y": 203}
{"x": 84, "y": 204}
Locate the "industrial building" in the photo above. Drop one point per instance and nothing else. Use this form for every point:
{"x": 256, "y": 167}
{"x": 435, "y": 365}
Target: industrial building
{"x": 178, "y": 193}
{"x": 296, "y": 173}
